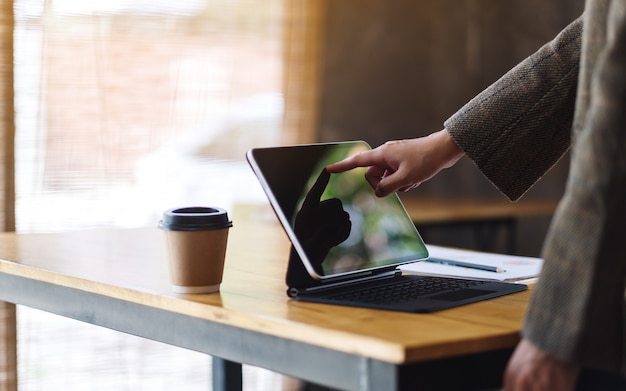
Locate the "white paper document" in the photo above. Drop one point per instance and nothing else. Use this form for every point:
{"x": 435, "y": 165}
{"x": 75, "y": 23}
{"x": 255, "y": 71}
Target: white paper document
{"x": 515, "y": 267}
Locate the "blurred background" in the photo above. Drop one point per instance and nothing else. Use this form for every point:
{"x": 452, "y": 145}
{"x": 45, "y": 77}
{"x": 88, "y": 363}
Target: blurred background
{"x": 124, "y": 108}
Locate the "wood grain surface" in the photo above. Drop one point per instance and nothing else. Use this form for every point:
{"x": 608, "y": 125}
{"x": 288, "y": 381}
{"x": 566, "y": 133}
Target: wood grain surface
{"x": 130, "y": 264}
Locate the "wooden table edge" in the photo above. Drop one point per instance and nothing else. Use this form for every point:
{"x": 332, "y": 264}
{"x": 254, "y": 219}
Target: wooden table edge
{"x": 387, "y": 351}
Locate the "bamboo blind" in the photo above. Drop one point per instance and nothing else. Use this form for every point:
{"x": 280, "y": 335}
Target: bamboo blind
{"x": 8, "y": 332}
{"x": 93, "y": 112}
{"x": 304, "y": 35}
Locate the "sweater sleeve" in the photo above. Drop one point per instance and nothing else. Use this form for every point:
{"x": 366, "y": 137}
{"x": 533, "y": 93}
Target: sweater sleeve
{"x": 519, "y": 127}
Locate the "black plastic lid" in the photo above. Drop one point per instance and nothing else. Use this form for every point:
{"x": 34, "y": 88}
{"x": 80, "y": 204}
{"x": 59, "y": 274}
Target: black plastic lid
{"x": 194, "y": 218}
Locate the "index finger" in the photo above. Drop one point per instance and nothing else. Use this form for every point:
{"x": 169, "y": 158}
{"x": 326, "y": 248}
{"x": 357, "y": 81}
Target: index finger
{"x": 361, "y": 159}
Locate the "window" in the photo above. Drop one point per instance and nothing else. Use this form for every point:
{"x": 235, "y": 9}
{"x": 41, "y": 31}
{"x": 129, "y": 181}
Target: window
{"x": 125, "y": 108}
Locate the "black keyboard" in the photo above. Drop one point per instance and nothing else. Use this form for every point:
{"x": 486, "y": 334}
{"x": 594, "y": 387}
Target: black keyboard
{"x": 405, "y": 290}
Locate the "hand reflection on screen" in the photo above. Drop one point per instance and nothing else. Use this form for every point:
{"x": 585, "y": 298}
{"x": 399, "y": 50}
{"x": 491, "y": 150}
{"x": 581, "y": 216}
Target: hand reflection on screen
{"x": 321, "y": 225}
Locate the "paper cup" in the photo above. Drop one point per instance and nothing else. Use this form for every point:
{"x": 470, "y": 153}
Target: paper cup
{"x": 196, "y": 239}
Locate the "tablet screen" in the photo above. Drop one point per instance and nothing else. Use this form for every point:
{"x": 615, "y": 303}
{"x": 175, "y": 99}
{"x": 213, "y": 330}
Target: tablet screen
{"x": 335, "y": 221}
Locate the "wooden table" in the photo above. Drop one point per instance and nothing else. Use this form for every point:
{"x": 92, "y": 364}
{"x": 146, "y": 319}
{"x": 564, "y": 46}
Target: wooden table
{"x": 483, "y": 215}
{"x": 118, "y": 279}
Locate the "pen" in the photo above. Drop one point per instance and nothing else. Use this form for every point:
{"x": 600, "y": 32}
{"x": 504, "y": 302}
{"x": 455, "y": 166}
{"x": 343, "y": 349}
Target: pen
{"x": 466, "y": 264}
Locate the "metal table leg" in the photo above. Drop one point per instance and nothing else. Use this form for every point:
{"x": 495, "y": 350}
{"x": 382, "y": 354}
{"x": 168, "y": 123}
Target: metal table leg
{"x": 226, "y": 375}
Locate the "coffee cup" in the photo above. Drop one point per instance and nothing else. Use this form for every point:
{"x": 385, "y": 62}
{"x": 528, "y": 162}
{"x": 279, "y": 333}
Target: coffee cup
{"x": 195, "y": 241}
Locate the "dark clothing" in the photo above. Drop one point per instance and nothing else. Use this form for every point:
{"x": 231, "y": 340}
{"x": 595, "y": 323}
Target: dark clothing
{"x": 572, "y": 92}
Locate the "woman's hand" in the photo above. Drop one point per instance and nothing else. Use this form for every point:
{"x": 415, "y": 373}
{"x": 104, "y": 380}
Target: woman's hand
{"x": 403, "y": 165}
{"x": 532, "y": 369}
